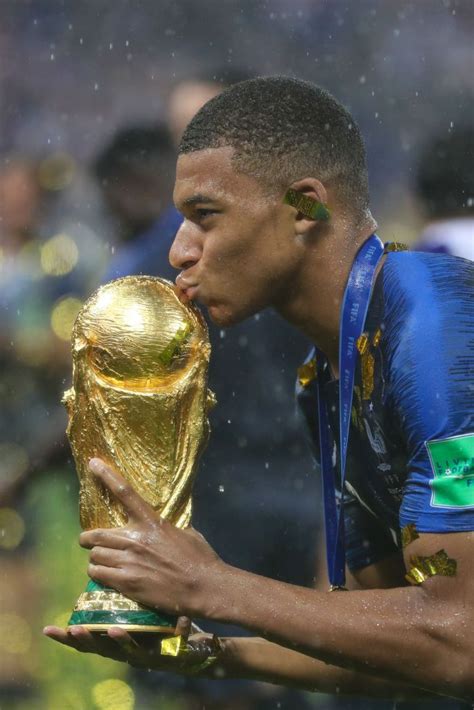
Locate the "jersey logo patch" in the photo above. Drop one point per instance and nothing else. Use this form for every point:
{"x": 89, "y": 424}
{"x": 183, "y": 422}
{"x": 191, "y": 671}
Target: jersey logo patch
{"x": 452, "y": 461}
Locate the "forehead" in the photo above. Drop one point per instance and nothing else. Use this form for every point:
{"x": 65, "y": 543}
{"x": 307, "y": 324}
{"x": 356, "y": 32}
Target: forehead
{"x": 211, "y": 173}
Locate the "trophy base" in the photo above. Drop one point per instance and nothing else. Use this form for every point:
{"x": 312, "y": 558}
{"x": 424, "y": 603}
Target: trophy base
{"x": 99, "y": 608}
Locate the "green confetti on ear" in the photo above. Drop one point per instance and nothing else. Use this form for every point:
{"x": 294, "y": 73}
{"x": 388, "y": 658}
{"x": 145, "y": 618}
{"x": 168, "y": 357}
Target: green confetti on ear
{"x": 308, "y": 206}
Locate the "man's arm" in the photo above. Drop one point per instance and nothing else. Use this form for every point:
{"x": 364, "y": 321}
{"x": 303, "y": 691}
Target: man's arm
{"x": 419, "y": 636}
{"x": 258, "y": 659}
{"x": 415, "y": 636}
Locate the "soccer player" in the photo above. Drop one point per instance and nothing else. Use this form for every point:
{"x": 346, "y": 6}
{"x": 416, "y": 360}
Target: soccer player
{"x": 272, "y": 182}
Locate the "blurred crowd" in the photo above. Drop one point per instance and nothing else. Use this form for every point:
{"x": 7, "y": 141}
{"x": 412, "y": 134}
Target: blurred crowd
{"x": 94, "y": 203}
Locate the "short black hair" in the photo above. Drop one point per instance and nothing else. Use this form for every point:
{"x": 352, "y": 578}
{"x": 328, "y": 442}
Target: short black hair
{"x": 445, "y": 175}
{"x": 283, "y": 129}
{"x": 136, "y": 150}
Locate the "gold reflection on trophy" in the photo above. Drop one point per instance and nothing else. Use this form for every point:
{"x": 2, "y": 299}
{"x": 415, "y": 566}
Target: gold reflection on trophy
{"x": 139, "y": 399}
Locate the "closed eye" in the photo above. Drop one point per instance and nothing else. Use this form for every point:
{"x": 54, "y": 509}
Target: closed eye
{"x": 202, "y": 212}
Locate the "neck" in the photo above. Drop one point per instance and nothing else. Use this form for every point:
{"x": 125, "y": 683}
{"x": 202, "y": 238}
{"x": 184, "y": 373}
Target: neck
{"x": 314, "y": 304}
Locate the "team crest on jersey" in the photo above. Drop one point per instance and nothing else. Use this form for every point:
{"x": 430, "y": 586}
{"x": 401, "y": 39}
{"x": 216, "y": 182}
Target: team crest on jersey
{"x": 452, "y": 462}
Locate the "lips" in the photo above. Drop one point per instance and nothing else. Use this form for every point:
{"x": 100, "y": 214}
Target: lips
{"x": 186, "y": 289}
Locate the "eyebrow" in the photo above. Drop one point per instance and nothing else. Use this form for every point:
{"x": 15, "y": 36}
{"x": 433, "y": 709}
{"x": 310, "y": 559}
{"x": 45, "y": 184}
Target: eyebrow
{"x": 197, "y": 199}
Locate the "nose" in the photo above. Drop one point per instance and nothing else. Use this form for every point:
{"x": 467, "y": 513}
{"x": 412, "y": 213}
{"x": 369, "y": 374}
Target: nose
{"x": 185, "y": 250}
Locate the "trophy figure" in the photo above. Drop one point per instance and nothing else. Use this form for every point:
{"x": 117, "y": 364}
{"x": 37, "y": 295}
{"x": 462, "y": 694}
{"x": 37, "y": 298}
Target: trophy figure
{"x": 139, "y": 401}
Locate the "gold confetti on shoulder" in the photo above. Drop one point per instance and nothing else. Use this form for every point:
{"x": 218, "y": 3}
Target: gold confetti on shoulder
{"x": 409, "y": 533}
{"x": 377, "y": 338}
{"x": 307, "y": 373}
{"x": 395, "y": 246}
{"x": 422, "y": 568}
{"x": 362, "y": 343}
{"x": 367, "y": 365}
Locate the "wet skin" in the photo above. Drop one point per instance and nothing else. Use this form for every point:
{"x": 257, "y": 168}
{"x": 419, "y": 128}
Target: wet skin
{"x": 241, "y": 249}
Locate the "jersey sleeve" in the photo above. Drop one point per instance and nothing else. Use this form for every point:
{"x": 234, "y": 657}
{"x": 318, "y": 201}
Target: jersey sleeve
{"x": 429, "y": 352}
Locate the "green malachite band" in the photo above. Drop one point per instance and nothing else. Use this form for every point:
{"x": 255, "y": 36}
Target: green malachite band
{"x": 132, "y": 618}
{"x": 143, "y": 617}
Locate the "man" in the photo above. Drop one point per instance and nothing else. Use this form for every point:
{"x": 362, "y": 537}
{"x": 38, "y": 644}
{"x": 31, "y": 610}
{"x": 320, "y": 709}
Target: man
{"x": 445, "y": 189}
{"x": 262, "y": 500}
{"x": 243, "y": 247}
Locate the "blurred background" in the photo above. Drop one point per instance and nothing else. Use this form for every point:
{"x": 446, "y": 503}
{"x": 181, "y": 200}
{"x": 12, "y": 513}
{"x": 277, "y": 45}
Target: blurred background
{"x": 93, "y": 98}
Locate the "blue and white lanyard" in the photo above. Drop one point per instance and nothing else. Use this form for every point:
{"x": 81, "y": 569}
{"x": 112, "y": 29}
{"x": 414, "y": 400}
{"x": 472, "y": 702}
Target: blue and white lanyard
{"x": 353, "y": 314}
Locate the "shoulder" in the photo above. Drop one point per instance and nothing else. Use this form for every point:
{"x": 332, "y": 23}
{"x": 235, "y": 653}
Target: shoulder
{"x": 427, "y": 304}
{"x": 428, "y": 336}
{"x": 414, "y": 280}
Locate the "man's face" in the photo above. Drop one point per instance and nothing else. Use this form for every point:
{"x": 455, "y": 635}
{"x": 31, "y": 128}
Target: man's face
{"x": 237, "y": 248}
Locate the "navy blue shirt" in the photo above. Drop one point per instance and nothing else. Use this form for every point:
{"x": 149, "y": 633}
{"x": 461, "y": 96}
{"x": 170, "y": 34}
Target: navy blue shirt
{"x": 411, "y": 444}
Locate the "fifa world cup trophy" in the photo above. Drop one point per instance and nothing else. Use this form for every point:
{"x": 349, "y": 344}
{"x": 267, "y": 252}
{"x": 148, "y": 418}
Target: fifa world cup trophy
{"x": 139, "y": 401}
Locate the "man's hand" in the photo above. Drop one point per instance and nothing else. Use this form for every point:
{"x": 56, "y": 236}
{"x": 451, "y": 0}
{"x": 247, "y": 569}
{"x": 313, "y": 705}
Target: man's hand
{"x": 140, "y": 651}
{"x": 150, "y": 560}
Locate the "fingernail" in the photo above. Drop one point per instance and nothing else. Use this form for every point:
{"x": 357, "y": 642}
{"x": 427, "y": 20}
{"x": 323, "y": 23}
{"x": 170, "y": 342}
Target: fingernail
{"x": 96, "y": 465}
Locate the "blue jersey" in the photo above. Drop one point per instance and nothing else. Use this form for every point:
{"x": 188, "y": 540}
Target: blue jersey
{"x": 411, "y": 444}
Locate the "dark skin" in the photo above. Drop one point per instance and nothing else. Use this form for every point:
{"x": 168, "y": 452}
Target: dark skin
{"x": 241, "y": 248}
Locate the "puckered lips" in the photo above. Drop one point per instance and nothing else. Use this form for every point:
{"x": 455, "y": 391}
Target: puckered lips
{"x": 187, "y": 291}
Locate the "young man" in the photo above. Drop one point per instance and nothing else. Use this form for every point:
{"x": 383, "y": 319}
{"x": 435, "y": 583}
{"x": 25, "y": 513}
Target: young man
{"x": 404, "y": 399}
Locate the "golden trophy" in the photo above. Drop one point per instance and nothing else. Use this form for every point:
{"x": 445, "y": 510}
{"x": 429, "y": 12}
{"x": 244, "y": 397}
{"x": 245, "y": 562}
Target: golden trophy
{"x": 139, "y": 401}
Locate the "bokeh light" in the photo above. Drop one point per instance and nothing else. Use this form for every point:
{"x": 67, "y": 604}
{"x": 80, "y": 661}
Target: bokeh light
{"x": 12, "y": 528}
{"x": 113, "y": 694}
{"x": 14, "y": 462}
{"x": 63, "y": 316}
{"x": 56, "y": 171}
{"x": 33, "y": 345}
{"x": 15, "y": 634}
{"x": 59, "y": 255}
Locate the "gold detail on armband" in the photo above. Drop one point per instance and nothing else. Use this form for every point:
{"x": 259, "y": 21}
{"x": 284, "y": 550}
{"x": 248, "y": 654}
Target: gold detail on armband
{"x": 307, "y": 206}
{"x": 409, "y": 533}
{"x": 395, "y": 246}
{"x": 424, "y": 567}
{"x": 307, "y": 373}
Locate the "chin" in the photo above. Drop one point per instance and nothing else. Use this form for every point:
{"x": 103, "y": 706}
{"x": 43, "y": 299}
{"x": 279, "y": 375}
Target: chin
{"x": 223, "y": 317}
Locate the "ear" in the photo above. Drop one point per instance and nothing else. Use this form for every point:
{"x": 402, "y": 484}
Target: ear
{"x": 308, "y": 211}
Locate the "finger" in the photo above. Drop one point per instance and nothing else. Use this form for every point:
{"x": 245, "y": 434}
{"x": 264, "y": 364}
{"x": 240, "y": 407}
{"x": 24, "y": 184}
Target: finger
{"x": 123, "y": 639}
{"x": 74, "y": 636}
{"x": 61, "y": 635}
{"x": 195, "y": 629}
{"x": 137, "y": 654}
{"x": 134, "y": 505}
{"x": 97, "y": 643}
{"x": 116, "y": 538}
{"x": 183, "y": 627}
{"x": 83, "y": 639}
{"x": 106, "y": 557}
{"x": 108, "y": 576}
